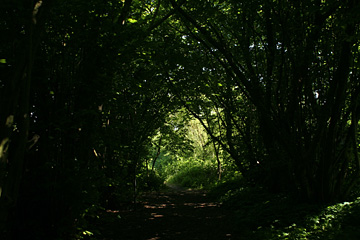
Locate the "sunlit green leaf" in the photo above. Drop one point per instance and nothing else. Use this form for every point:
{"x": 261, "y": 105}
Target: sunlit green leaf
{"x": 131, "y": 20}
{"x": 87, "y": 233}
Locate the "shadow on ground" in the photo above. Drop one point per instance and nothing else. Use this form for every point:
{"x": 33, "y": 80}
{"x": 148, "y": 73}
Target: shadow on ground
{"x": 177, "y": 213}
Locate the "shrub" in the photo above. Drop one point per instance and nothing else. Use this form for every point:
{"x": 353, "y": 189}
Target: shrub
{"x": 150, "y": 181}
{"x": 194, "y": 175}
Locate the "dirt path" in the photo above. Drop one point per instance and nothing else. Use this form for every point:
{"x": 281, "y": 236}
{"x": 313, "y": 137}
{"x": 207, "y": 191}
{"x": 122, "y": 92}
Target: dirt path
{"x": 175, "y": 214}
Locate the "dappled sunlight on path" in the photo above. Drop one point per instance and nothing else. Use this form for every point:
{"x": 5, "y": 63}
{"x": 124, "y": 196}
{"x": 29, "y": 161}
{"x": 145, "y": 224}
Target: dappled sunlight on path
{"x": 175, "y": 214}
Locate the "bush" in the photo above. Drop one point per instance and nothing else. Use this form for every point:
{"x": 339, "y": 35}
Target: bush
{"x": 228, "y": 183}
{"x": 150, "y": 181}
{"x": 194, "y": 175}
{"x": 263, "y": 215}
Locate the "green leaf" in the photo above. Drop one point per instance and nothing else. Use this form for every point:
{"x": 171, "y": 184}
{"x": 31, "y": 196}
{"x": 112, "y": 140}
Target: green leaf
{"x": 2, "y": 60}
{"x": 131, "y": 20}
{"x": 87, "y": 233}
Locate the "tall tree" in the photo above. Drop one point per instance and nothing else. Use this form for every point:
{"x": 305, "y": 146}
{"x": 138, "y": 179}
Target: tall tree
{"x": 94, "y": 103}
{"x": 296, "y": 63}
{"x": 21, "y": 29}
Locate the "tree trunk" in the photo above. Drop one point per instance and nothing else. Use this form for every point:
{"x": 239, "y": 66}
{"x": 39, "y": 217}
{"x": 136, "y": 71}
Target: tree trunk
{"x": 14, "y": 118}
{"x": 216, "y": 150}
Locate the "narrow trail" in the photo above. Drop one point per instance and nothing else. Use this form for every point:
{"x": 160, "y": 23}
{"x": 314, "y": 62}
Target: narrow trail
{"x": 175, "y": 214}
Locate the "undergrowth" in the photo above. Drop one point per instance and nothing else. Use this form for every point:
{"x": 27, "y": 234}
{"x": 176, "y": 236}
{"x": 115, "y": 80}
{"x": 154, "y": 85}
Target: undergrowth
{"x": 193, "y": 175}
{"x": 262, "y": 215}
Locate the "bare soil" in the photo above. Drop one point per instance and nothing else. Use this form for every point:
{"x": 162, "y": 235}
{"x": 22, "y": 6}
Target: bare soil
{"x": 177, "y": 213}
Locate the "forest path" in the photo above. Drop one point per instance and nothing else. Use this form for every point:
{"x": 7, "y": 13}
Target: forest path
{"x": 177, "y": 213}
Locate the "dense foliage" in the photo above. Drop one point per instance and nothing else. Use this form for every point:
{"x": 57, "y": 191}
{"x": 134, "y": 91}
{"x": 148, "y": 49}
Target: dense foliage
{"x": 102, "y": 99}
